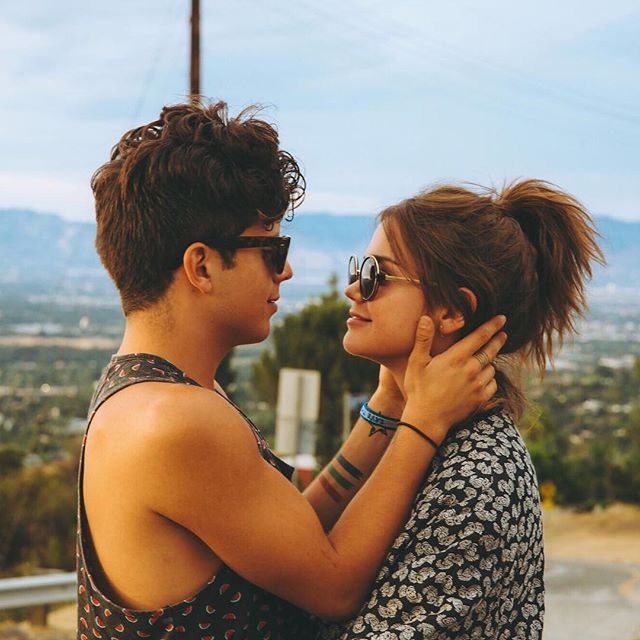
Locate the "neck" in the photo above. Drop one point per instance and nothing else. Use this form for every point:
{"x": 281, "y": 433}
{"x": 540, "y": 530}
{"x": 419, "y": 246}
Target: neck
{"x": 182, "y": 341}
{"x": 398, "y": 369}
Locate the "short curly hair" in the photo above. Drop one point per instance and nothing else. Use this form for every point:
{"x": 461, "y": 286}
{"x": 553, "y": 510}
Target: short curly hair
{"x": 192, "y": 175}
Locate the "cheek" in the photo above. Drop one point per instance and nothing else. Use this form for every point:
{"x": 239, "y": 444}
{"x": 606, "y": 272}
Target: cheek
{"x": 384, "y": 339}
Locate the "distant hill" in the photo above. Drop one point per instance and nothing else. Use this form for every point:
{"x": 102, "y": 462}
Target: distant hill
{"x": 37, "y": 246}
{"x": 45, "y": 248}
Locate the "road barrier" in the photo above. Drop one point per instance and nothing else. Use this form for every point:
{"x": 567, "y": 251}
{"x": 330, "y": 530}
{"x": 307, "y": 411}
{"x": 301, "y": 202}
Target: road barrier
{"x": 38, "y": 592}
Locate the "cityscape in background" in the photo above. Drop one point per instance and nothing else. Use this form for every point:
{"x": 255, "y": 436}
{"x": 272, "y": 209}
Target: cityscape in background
{"x": 57, "y": 305}
{"x": 60, "y": 320}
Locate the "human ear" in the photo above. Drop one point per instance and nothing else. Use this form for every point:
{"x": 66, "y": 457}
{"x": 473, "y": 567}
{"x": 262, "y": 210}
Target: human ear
{"x": 453, "y": 320}
{"x": 197, "y": 265}
{"x": 471, "y": 298}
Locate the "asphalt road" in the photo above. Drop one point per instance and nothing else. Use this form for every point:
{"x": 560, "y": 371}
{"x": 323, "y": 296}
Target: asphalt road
{"x": 592, "y": 601}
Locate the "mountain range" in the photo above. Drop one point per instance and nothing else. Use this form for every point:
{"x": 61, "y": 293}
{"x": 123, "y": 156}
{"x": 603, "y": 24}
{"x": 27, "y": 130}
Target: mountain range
{"x": 46, "y": 249}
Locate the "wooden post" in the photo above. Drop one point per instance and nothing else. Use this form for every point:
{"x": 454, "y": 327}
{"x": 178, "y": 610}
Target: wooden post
{"x": 38, "y": 615}
{"x": 194, "y": 74}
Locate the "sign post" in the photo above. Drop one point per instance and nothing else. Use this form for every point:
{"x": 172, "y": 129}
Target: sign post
{"x": 296, "y": 419}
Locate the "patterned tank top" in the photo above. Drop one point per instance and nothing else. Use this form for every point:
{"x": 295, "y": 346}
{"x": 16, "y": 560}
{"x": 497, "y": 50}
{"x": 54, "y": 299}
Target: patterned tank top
{"x": 228, "y": 606}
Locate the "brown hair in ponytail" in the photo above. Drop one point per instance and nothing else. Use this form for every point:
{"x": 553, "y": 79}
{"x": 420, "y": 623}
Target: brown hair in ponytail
{"x": 525, "y": 252}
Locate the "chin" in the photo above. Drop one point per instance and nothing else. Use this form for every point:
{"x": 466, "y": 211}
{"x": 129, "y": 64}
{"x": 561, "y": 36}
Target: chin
{"x": 357, "y": 348}
{"x": 257, "y": 334}
{"x": 259, "y": 337}
{"x": 360, "y": 348}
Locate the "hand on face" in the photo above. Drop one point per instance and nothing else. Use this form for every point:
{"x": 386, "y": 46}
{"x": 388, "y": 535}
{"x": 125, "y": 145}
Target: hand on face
{"x": 449, "y": 387}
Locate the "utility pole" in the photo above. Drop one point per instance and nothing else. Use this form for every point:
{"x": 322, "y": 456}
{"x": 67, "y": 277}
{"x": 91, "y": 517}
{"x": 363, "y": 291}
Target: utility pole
{"x": 194, "y": 74}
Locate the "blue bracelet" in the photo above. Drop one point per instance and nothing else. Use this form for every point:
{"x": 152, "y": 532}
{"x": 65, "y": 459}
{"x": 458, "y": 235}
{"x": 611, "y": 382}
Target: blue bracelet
{"x": 377, "y": 419}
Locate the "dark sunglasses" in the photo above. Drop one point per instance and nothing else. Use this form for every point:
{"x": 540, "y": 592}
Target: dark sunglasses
{"x": 276, "y": 248}
{"x": 371, "y": 276}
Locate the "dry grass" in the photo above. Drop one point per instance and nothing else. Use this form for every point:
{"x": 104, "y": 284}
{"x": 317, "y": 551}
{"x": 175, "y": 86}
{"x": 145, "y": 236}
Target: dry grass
{"x": 611, "y": 534}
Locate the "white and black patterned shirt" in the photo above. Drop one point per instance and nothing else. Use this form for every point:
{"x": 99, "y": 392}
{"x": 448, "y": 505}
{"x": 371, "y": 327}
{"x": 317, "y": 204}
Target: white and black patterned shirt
{"x": 469, "y": 562}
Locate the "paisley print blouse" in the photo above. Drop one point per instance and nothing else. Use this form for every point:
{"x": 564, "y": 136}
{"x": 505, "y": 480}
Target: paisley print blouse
{"x": 469, "y": 562}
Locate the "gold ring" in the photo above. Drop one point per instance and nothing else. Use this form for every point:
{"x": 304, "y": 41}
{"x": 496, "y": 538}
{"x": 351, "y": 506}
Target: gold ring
{"x": 482, "y": 358}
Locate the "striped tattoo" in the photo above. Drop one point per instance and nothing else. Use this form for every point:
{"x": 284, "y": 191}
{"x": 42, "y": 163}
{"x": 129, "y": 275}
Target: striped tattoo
{"x": 326, "y": 485}
{"x": 339, "y": 478}
{"x": 349, "y": 468}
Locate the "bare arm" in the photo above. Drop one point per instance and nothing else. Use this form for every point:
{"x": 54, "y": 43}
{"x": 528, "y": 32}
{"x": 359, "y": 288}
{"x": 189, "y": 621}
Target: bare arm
{"x": 336, "y": 485}
{"x": 211, "y": 480}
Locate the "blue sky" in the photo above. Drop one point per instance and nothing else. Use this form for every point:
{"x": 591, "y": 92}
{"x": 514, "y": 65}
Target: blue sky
{"x": 376, "y": 99}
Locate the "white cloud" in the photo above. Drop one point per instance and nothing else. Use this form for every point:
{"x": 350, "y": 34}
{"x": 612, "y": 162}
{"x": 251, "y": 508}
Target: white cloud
{"x": 47, "y": 192}
{"x": 616, "y": 195}
{"x": 341, "y": 202}
{"x": 378, "y": 98}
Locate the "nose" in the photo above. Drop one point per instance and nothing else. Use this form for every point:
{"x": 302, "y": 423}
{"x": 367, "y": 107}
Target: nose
{"x": 287, "y": 273}
{"x": 352, "y": 291}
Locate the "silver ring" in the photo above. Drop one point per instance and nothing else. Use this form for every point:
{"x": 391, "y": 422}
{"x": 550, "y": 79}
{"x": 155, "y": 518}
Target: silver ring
{"x": 482, "y": 358}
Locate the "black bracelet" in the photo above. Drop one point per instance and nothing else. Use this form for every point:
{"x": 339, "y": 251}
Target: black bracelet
{"x": 431, "y": 441}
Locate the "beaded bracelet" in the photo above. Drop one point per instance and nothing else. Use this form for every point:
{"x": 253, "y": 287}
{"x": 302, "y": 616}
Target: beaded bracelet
{"x": 423, "y": 435}
{"x": 376, "y": 419}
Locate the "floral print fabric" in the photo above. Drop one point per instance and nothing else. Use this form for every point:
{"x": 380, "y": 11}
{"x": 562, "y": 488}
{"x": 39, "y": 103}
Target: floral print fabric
{"x": 469, "y": 562}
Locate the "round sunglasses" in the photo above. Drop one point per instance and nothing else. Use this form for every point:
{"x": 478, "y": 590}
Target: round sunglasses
{"x": 371, "y": 276}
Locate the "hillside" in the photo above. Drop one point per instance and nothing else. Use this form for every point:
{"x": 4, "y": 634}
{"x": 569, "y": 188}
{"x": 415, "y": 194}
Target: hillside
{"x": 38, "y": 248}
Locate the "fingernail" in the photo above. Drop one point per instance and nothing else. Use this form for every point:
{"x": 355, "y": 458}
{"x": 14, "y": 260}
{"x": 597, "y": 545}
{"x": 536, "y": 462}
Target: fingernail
{"x": 502, "y": 318}
{"x": 423, "y": 323}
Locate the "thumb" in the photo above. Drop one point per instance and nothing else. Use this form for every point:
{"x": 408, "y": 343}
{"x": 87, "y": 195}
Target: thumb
{"x": 421, "y": 352}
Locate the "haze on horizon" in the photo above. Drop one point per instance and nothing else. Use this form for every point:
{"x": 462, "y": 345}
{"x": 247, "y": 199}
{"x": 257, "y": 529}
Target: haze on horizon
{"x": 377, "y": 100}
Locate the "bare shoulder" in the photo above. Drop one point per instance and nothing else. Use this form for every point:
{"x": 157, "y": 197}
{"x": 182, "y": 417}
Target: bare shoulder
{"x": 173, "y": 427}
{"x": 196, "y": 457}
{"x": 189, "y": 420}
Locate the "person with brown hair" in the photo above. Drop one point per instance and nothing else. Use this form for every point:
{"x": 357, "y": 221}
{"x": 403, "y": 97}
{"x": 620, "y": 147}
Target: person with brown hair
{"x": 468, "y": 562}
{"x": 188, "y": 525}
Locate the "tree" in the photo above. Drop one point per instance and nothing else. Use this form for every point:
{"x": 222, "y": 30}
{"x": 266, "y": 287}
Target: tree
{"x": 225, "y": 374}
{"x": 11, "y": 458}
{"x": 39, "y": 518}
{"x": 312, "y": 339}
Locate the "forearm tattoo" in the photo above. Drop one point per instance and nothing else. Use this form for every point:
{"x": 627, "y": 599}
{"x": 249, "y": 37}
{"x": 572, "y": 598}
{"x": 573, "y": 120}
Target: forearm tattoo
{"x": 338, "y": 474}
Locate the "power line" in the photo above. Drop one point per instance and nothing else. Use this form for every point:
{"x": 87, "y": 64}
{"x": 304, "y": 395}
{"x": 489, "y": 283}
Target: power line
{"x": 401, "y": 37}
{"x": 161, "y": 49}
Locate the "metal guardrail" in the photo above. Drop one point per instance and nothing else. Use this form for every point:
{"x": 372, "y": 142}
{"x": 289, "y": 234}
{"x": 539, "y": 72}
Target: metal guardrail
{"x": 34, "y": 591}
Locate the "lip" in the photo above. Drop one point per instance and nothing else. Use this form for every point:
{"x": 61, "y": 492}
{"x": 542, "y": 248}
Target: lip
{"x": 356, "y": 317}
{"x": 273, "y": 304}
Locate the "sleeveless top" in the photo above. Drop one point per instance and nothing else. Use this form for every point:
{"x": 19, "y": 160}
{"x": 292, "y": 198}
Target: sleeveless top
{"x": 228, "y": 606}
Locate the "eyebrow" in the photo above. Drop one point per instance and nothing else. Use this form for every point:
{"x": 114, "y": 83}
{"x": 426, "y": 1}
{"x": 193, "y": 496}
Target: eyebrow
{"x": 385, "y": 259}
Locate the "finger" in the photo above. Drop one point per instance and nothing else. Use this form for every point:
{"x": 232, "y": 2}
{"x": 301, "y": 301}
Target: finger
{"x": 490, "y": 390}
{"x": 481, "y": 359}
{"x": 492, "y": 348}
{"x": 486, "y": 375}
{"x": 421, "y": 352}
{"x": 478, "y": 337}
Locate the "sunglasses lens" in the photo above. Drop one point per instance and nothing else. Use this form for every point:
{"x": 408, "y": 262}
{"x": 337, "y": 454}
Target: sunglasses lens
{"x": 368, "y": 278}
{"x": 276, "y": 257}
{"x": 352, "y": 274}
{"x": 271, "y": 258}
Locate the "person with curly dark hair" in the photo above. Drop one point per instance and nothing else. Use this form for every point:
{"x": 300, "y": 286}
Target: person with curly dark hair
{"x": 189, "y": 526}
{"x": 468, "y": 562}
